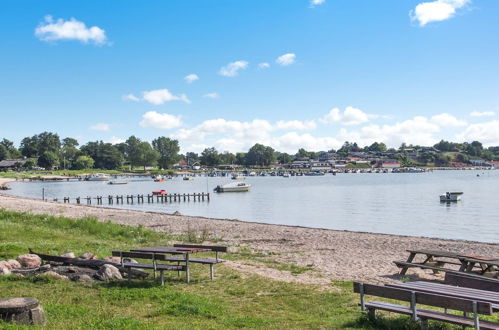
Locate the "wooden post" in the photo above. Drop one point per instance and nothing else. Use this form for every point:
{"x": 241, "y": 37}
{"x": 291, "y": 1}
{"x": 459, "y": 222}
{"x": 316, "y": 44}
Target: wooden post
{"x": 110, "y": 199}
{"x": 89, "y": 200}
{"x": 78, "y": 200}
{"x": 208, "y": 195}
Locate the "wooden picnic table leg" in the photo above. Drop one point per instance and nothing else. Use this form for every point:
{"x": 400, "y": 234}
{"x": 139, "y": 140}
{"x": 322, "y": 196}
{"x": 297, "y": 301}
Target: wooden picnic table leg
{"x": 212, "y": 272}
{"x": 464, "y": 265}
{"x": 409, "y": 260}
{"x": 162, "y": 276}
{"x": 187, "y": 268}
{"x": 469, "y": 269}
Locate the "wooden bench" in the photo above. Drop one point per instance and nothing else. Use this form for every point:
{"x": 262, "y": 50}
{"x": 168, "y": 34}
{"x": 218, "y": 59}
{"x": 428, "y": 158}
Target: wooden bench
{"x": 127, "y": 265}
{"x": 472, "y": 281}
{"x": 404, "y": 265}
{"x": 205, "y": 261}
{"x": 414, "y": 298}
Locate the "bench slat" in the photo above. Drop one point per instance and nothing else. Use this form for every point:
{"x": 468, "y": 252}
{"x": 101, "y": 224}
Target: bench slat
{"x": 138, "y": 255}
{"x": 216, "y": 248}
{"x": 150, "y": 266}
{"x": 195, "y": 260}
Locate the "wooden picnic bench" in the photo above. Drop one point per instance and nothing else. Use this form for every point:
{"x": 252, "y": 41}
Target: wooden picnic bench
{"x": 432, "y": 260}
{"x": 472, "y": 281}
{"x": 149, "y": 256}
{"x": 204, "y": 261}
{"x": 486, "y": 265}
{"x": 416, "y": 298}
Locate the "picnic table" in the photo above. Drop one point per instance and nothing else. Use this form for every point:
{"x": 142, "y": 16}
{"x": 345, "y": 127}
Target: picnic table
{"x": 438, "y": 260}
{"x": 184, "y": 251}
{"x": 451, "y": 291}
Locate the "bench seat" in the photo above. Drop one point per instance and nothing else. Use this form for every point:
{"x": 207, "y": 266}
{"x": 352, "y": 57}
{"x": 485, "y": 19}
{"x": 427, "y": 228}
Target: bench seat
{"x": 196, "y": 260}
{"x": 405, "y": 264}
{"x": 431, "y": 315}
{"x": 150, "y": 266}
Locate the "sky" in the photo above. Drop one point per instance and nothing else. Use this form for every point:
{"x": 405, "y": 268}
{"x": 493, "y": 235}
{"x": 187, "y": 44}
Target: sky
{"x": 286, "y": 73}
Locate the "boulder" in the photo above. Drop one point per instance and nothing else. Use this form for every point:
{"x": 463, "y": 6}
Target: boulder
{"x": 14, "y": 264}
{"x": 108, "y": 272}
{"x": 68, "y": 255}
{"x": 4, "y": 271}
{"x": 29, "y": 260}
{"x": 53, "y": 274}
{"x": 88, "y": 256}
{"x": 45, "y": 267}
{"x": 5, "y": 264}
{"x": 116, "y": 260}
{"x": 82, "y": 278}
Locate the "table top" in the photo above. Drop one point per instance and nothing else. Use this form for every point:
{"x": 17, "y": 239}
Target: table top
{"x": 436, "y": 253}
{"x": 450, "y": 290}
{"x": 170, "y": 250}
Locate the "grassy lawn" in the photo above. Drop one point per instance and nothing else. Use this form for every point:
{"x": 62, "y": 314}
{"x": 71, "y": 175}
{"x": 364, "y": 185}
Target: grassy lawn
{"x": 233, "y": 300}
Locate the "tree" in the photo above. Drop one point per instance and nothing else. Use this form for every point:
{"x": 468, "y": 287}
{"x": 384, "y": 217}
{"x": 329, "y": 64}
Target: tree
{"x": 133, "y": 151}
{"x": 284, "y": 158}
{"x": 191, "y": 158}
{"x": 69, "y": 152}
{"x": 29, "y": 164}
{"x": 260, "y": 155}
{"x": 4, "y": 153}
{"x": 29, "y": 147}
{"x": 377, "y": 147}
{"x": 12, "y": 152}
{"x": 105, "y": 155}
{"x": 147, "y": 155}
{"x": 210, "y": 157}
{"x": 38, "y": 144}
{"x": 240, "y": 158}
{"x": 442, "y": 160}
{"x": 48, "y": 160}
{"x": 168, "y": 151}
{"x": 83, "y": 162}
{"x": 227, "y": 158}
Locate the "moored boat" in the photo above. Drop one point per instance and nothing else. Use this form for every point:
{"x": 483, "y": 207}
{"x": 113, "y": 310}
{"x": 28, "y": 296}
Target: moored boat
{"x": 98, "y": 177}
{"x": 117, "y": 182}
{"x": 233, "y": 187}
{"x": 159, "y": 192}
{"x": 451, "y": 197}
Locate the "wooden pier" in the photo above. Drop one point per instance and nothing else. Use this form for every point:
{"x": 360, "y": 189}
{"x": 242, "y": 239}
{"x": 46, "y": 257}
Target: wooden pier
{"x": 139, "y": 199}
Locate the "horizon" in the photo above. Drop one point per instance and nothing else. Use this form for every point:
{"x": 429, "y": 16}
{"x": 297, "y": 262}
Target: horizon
{"x": 305, "y": 74}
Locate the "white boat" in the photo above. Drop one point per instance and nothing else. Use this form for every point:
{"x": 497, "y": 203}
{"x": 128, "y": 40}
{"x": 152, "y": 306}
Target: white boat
{"x": 237, "y": 176}
{"x": 98, "y": 177}
{"x": 233, "y": 187}
{"x": 286, "y": 175}
{"x": 451, "y": 197}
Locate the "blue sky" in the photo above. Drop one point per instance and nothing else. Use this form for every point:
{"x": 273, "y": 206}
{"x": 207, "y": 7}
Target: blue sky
{"x": 336, "y": 70}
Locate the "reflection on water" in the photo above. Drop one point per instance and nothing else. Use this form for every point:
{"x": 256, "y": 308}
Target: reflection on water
{"x": 405, "y": 204}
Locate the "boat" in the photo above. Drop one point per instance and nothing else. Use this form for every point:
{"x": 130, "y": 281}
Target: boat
{"x": 286, "y": 175}
{"x": 451, "y": 197}
{"x": 159, "y": 192}
{"x": 237, "y": 176}
{"x": 187, "y": 178}
{"x": 117, "y": 182}
{"x": 314, "y": 173}
{"x": 233, "y": 187}
{"x": 97, "y": 177}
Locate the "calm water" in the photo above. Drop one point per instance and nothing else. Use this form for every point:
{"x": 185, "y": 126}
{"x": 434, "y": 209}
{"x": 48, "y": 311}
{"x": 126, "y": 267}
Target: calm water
{"x": 405, "y": 204}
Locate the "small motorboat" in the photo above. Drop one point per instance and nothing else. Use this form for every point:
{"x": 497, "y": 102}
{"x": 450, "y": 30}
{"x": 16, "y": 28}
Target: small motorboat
{"x": 451, "y": 196}
{"x": 159, "y": 192}
{"x": 233, "y": 187}
{"x": 286, "y": 175}
{"x": 117, "y": 182}
{"x": 97, "y": 177}
{"x": 238, "y": 176}
{"x": 187, "y": 178}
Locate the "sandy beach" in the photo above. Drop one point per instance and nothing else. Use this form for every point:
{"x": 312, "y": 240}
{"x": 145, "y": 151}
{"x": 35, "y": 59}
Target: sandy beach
{"x": 333, "y": 255}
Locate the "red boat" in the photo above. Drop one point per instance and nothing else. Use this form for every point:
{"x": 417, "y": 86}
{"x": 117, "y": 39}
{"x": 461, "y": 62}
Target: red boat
{"x": 159, "y": 192}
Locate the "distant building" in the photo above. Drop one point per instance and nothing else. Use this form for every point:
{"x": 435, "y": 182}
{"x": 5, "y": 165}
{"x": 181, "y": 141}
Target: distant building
{"x": 494, "y": 164}
{"x": 479, "y": 162}
{"x": 11, "y": 164}
{"x": 387, "y": 163}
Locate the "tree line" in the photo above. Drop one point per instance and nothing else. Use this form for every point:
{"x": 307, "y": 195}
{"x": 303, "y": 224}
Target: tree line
{"x": 49, "y": 151}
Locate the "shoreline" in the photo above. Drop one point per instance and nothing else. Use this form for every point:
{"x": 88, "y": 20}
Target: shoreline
{"x": 335, "y": 254}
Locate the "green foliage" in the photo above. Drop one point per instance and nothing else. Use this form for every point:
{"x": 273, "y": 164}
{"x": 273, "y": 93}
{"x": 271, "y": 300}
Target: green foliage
{"x": 48, "y": 160}
{"x": 260, "y": 155}
{"x": 83, "y": 162}
{"x": 210, "y": 157}
{"x": 105, "y": 155}
{"x": 168, "y": 150}
{"x": 4, "y": 153}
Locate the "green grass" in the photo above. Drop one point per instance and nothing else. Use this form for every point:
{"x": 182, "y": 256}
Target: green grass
{"x": 234, "y": 300}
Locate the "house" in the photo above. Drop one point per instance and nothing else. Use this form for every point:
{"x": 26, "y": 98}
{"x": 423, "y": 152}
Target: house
{"x": 318, "y": 165}
{"x": 11, "y": 164}
{"x": 387, "y": 163}
{"x": 494, "y": 164}
{"x": 479, "y": 162}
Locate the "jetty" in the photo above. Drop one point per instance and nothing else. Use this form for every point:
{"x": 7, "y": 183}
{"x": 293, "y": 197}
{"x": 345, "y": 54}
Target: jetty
{"x": 138, "y": 199}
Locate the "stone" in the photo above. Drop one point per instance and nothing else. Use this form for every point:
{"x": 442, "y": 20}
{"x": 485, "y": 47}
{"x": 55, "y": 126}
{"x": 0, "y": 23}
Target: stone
{"x": 14, "y": 264}
{"x": 130, "y": 260}
{"x": 177, "y": 213}
{"x": 68, "y": 255}
{"x": 25, "y": 311}
{"x": 45, "y": 267}
{"x": 29, "y": 260}
{"x": 108, "y": 272}
{"x": 4, "y": 271}
{"x": 53, "y": 274}
{"x": 88, "y": 256}
{"x": 116, "y": 260}
{"x": 82, "y": 278}
{"x": 5, "y": 264}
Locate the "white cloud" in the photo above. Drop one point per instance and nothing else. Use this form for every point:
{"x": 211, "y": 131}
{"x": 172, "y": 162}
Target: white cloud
{"x": 115, "y": 140}
{"x": 160, "y": 120}
{"x": 296, "y": 125}
{"x": 211, "y": 95}
{"x": 351, "y": 116}
{"x": 446, "y": 120}
{"x": 130, "y": 97}
{"x": 50, "y": 30}
{"x": 100, "y": 127}
{"x": 314, "y": 3}
{"x": 160, "y": 96}
{"x": 286, "y": 59}
{"x": 487, "y": 133}
{"x": 232, "y": 69}
{"x": 482, "y": 114}
{"x": 264, "y": 65}
{"x": 438, "y": 10}
{"x": 190, "y": 78}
